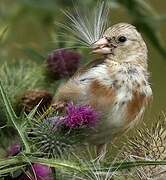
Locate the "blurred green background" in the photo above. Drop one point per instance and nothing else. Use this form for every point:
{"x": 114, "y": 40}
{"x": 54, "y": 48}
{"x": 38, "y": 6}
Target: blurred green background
{"x": 32, "y": 32}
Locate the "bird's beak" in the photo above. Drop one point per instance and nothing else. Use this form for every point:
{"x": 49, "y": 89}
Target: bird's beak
{"x": 101, "y": 46}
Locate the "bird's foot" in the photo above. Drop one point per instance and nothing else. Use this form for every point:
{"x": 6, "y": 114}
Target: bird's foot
{"x": 101, "y": 151}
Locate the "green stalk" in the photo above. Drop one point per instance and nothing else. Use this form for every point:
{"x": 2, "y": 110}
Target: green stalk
{"x": 9, "y": 161}
{"x": 116, "y": 166}
{"x": 10, "y": 169}
{"x": 131, "y": 164}
{"x": 23, "y": 160}
{"x": 56, "y": 163}
{"x": 13, "y": 118}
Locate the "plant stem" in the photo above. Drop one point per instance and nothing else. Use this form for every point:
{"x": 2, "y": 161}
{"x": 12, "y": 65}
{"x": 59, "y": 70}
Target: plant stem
{"x": 131, "y": 164}
{"x": 13, "y": 118}
{"x": 23, "y": 160}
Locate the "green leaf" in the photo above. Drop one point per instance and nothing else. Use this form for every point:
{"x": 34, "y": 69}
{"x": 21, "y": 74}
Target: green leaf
{"x": 33, "y": 112}
{"x": 9, "y": 110}
{"x": 12, "y": 118}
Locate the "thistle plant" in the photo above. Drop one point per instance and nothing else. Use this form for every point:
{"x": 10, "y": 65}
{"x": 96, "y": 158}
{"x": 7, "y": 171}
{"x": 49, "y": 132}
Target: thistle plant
{"x": 62, "y": 63}
{"x": 20, "y": 77}
{"x": 37, "y": 171}
{"x": 28, "y": 154}
{"x": 49, "y": 138}
{"x": 80, "y": 115}
{"x": 149, "y": 144}
{"x": 57, "y": 135}
{"x": 13, "y": 149}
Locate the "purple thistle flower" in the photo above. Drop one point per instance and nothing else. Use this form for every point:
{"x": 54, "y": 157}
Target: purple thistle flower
{"x": 63, "y": 63}
{"x": 13, "y": 150}
{"x": 42, "y": 172}
{"x": 80, "y": 116}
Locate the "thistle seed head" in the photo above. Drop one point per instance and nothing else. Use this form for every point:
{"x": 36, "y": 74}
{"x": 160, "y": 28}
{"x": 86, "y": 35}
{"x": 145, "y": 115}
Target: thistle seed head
{"x": 88, "y": 26}
{"x": 149, "y": 144}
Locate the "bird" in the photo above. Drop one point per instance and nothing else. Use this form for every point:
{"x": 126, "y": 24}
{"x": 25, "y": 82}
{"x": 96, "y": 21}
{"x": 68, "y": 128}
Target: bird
{"x": 117, "y": 85}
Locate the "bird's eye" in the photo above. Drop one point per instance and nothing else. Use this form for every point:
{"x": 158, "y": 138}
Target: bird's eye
{"x": 122, "y": 39}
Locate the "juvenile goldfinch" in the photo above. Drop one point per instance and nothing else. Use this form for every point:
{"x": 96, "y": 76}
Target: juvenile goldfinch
{"x": 116, "y": 86}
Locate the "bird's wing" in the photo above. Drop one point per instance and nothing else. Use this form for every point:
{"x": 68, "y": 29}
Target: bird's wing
{"x": 73, "y": 89}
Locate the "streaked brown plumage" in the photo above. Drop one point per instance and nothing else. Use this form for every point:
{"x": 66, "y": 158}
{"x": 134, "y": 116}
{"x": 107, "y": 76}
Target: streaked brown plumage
{"x": 116, "y": 86}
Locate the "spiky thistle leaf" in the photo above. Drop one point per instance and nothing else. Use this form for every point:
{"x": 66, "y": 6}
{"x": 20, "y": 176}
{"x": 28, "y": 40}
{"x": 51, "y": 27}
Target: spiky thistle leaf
{"x": 11, "y": 116}
{"x": 18, "y": 77}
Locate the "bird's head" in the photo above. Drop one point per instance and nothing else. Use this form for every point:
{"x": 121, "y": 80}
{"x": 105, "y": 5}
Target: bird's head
{"x": 123, "y": 43}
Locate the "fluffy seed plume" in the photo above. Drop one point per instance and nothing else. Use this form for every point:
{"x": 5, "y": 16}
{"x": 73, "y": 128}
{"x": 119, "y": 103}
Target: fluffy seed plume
{"x": 88, "y": 27}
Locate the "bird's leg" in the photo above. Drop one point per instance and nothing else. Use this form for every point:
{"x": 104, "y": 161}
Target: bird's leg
{"x": 101, "y": 151}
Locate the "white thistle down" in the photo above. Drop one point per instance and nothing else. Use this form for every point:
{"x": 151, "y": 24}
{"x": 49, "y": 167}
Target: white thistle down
{"x": 88, "y": 27}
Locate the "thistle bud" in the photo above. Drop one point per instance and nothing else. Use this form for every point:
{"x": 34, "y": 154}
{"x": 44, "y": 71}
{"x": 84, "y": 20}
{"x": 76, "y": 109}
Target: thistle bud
{"x": 42, "y": 172}
{"x": 63, "y": 63}
{"x": 13, "y": 150}
{"x": 38, "y": 172}
{"x": 50, "y": 138}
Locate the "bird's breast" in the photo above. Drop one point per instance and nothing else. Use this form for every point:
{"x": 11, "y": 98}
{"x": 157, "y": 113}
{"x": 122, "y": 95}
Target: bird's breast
{"x": 121, "y": 99}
